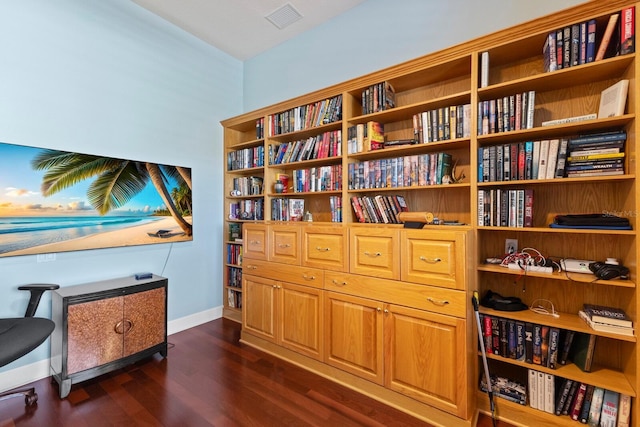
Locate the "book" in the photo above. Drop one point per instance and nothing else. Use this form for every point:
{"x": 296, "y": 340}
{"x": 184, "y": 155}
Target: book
{"x": 549, "y": 393}
{"x": 586, "y": 404}
{"x": 484, "y": 69}
{"x": 561, "y": 158}
{"x": 552, "y": 159}
{"x": 296, "y": 209}
{"x": 613, "y": 99}
{"x": 537, "y": 344}
{"x": 566, "y": 408}
{"x": 554, "y": 344}
{"x": 624, "y": 410}
{"x": 596, "y": 407}
{"x": 374, "y": 139}
{"x": 563, "y": 395}
{"x": 566, "y": 346}
{"x": 576, "y": 405}
{"x": 528, "y": 342}
{"x": 591, "y": 41}
{"x": 605, "y": 327}
{"x": 627, "y": 30}
{"x": 574, "y": 119}
{"x": 582, "y": 350}
{"x": 544, "y": 345}
{"x": 610, "y": 315}
{"x": 609, "y": 414}
{"x": 607, "y": 36}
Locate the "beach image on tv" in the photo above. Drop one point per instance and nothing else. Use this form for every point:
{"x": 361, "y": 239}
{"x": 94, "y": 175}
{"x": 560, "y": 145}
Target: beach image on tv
{"x": 58, "y": 201}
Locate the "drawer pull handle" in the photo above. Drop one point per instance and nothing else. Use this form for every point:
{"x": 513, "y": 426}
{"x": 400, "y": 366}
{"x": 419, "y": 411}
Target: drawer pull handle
{"x": 123, "y": 327}
{"x": 284, "y": 245}
{"x": 430, "y": 260}
{"x": 255, "y": 242}
{"x": 252, "y": 267}
{"x": 441, "y": 302}
{"x": 318, "y": 248}
{"x": 335, "y": 282}
{"x": 375, "y": 254}
{"x": 304, "y": 276}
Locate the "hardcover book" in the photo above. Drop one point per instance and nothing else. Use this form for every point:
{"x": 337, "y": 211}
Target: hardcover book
{"x": 609, "y": 414}
{"x": 627, "y": 30}
{"x": 607, "y": 36}
{"x": 582, "y": 350}
{"x": 613, "y": 100}
{"x": 610, "y": 315}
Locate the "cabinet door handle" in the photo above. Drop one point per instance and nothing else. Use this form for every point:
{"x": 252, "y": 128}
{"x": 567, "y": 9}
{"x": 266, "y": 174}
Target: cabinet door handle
{"x": 304, "y": 276}
{"x": 318, "y": 248}
{"x": 335, "y": 282}
{"x": 375, "y": 254}
{"x": 430, "y": 260}
{"x": 123, "y": 327}
{"x": 284, "y": 245}
{"x": 441, "y": 302}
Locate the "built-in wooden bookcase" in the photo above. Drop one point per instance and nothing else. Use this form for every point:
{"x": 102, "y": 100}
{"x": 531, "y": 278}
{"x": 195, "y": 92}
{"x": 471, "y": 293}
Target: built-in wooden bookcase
{"x": 452, "y": 77}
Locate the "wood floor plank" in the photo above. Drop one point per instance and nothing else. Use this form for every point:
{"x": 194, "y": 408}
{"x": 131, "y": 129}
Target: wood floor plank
{"x": 208, "y": 379}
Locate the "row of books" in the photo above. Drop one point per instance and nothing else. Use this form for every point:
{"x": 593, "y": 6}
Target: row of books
{"x": 327, "y": 144}
{"x": 513, "y": 112}
{"x": 260, "y": 128}
{"x": 506, "y": 388}
{"x": 505, "y": 208}
{"x": 246, "y": 158}
{"x": 335, "y": 204}
{"x": 382, "y": 209}
{"x": 234, "y": 254}
{"x": 529, "y": 342}
{"x": 287, "y": 209}
{"x": 365, "y": 137}
{"x": 378, "y": 97}
{"x": 234, "y": 277}
{"x": 247, "y": 209}
{"x": 586, "y": 403}
{"x": 406, "y": 171}
{"x": 442, "y": 124}
{"x": 322, "y": 178}
{"x": 234, "y": 299}
{"x": 247, "y": 186}
{"x": 306, "y": 116}
{"x": 596, "y": 154}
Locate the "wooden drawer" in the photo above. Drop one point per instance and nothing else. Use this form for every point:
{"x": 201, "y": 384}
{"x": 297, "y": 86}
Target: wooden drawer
{"x": 433, "y": 257}
{"x": 325, "y": 247}
{"x": 306, "y": 276}
{"x": 284, "y": 244}
{"x": 431, "y": 298}
{"x": 255, "y": 241}
{"x": 374, "y": 252}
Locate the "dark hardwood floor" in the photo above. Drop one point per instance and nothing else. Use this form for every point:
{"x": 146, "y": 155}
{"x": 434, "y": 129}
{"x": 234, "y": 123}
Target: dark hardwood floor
{"x": 208, "y": 379}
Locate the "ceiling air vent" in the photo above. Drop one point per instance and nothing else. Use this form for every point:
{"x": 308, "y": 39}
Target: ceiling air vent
{"x": 284, "y": 16}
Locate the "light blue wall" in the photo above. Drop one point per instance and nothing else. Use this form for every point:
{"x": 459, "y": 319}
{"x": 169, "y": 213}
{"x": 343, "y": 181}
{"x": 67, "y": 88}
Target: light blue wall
{"x": 108, "y": 77}
{"x": 375, "y": 35}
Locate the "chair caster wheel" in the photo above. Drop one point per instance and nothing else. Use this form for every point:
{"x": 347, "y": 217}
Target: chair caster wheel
{"x": 31, "y": 399}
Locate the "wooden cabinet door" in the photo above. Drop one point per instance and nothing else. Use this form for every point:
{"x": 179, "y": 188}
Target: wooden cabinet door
{"x": 284, "y": 244}
{"x": 144, "y": 321}
{"x": 374, "y": 252}
{"x": 353, "y": 331}
{"x": 300, "y": 319}
{"x": 255, "y": 241}
{"x": 93, "y": 338}
{"x": 425, "y": 358}
{"x": 259, "y": 311}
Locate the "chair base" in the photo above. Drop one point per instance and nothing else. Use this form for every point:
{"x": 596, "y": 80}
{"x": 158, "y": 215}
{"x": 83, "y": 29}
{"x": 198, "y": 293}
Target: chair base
{"x": 30, "y": 395}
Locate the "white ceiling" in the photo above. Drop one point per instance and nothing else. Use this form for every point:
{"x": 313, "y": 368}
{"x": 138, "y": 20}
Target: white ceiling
{"x": 239, "y": 27}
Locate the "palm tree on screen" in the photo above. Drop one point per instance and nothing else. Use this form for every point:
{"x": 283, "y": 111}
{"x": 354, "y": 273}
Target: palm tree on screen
{"x": 117, "y": 180}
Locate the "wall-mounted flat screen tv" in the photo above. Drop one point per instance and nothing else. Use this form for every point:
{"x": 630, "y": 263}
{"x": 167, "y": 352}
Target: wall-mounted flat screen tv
{"x": 58, "y": 201}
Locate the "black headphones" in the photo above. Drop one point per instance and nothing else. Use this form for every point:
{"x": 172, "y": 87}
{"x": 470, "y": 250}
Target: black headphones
{"x": 606, "y": 271}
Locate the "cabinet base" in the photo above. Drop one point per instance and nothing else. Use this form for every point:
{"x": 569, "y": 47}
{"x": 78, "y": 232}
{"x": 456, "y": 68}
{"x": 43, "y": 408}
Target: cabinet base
{"x": 398, "y": 401}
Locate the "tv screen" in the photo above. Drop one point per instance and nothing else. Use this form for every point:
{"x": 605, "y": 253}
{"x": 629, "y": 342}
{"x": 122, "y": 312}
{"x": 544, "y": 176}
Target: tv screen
{"x": 57, "y": 201}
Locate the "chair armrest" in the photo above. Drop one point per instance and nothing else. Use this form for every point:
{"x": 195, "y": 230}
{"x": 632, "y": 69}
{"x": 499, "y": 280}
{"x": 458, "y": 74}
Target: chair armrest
{"x": 36, "y": 289}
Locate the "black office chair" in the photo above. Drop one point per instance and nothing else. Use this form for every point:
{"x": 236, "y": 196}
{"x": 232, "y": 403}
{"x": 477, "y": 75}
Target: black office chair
{"x": 20, "y": 335}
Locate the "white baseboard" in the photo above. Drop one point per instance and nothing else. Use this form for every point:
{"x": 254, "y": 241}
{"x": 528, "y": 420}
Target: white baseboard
{"x": 26, "y": 374}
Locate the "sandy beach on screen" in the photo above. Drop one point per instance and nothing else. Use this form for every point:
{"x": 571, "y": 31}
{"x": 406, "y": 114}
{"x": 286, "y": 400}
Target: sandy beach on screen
{"x": 130, "y": 236}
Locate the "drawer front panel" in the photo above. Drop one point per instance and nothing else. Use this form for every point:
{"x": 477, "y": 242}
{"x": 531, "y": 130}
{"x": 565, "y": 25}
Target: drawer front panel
{"x": 255, "y": 242}
{"x": 325, "y": 249}
{"x": 375, "y": 253}
{"x": 431, "y": 298}
{"x": 284, "y": 244}
{"x": 285, "y": 273}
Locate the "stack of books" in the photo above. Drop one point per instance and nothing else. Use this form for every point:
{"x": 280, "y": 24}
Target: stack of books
{"x": 607, "y": 319}
{"x": 596, "y": 155}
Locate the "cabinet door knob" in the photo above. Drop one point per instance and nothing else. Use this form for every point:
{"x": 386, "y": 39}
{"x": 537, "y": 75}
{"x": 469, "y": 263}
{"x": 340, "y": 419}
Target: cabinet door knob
{"x": 335, "y": 282}
{"x": 123, "y": 327}
{"x": 386, "y": 311}
{"x": 318, "y": 248}
{"x": 378, "y": 309}
{"x": 304, "y": 276}
{"x": 430, "y": 260}
{"x": 441, "y": 302}
{"x": 375, "y": 254}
